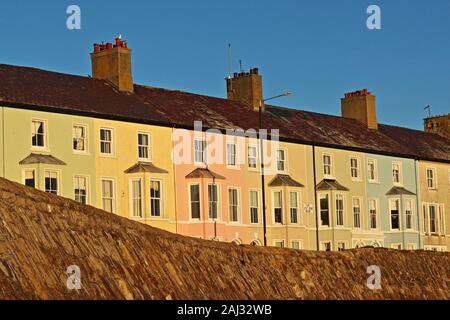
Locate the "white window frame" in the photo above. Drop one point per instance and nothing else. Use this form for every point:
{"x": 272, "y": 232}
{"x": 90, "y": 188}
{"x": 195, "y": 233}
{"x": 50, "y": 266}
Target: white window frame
{"x": 375, "y": 170}
{"x": 46, "y": 134}
{"x": 283, "y": 161}
{"x": 320, "y": 197}
{"x": 399, "y": 209}
{"x": 204, "y": 145}
{"x": 58, "y": 180}
{"x": 149, "y": 146}
{"x": 400, "y": 173}
{"x": 358, "y": 169}
{"x": 273, "y": 207}
{"x": 276, "y": 241}
{"x": 133, "y": 197}
{"x": 85, "y": 141}
{"x": 377, "y": 220}
{"x": 397, "y": 246}
{"x": 298, "y": 206}
{"x": 436, "y": 221}
{"x": 345, "y": 243}
{"x": 329, "y": 175}
{"x": 300, "y": 244}
{"x": 441, "y": 217}
{"x": 325, "y": 244}
{"x": 235, "y": 158}
{"x": 433, "y": 179}
{"x": 238, "y": 204}
{"x": 255, "y": 147}
{"x": 343, "y": 209}
{"x": 360, "y": 214}
{"x": 87, "y": 178}
{"x": 114, "y": 195}
{"x": 112, "y": 142}
{"x": 218, "y": 205}
{"x": 411, "y": 204}
{"x": 199, "y": 201}
{"x": 24, "y": 174}
{"x": 161, "y": 199}
{"x": 258, "y": 207}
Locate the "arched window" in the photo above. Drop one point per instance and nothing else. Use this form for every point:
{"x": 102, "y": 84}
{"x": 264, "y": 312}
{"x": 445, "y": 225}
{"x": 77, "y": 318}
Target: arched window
{"x": 376, "y": 244}
{"x": 255, "y": 243}
{"x": 237, "y": 242}
{"x": 360, "y": 244}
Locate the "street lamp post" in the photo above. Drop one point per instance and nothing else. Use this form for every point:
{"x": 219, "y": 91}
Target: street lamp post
{"x": 261, "y": 148}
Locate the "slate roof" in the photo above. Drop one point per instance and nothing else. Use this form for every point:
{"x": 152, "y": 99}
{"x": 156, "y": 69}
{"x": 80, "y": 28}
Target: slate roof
{"x": 282, "y": 180}
{"x": 36, "y": 89}
{"x": 145, "y": 167}
{"x": 204, "y": 173}
{"x": 35, "y": 158}
{"x": 399, "y": 191}
{"x": 330, "y": 184}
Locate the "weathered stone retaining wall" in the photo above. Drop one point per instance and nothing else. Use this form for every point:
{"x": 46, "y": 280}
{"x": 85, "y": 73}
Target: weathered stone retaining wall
{"x": 41, "y": 235}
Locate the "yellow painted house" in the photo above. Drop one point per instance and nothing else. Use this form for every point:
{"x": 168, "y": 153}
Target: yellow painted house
{"x": 135, "y": 173}
{"x": 329, "y": 183}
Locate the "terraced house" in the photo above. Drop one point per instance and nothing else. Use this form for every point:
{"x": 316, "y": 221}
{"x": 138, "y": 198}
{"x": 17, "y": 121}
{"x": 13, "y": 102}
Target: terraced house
{"x": 329, "y": 183}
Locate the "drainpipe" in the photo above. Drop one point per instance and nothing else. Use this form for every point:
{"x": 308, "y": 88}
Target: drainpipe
{"x": 263, "y": 184}
{"x": 402, "y": 222}
{"x": 315, "y": 197}
{"x": 202, "y": 202}
{"x": 418, "y": 215}
{"x": 332, "y": 204}
{"x": 287, "y": 214}
{"x": 174, "y": 183}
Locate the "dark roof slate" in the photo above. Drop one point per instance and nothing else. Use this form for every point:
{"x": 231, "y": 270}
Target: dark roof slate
{"x": 145, "y": 167}
{"x": 35, "y": 158}
{"x": 330, "y": 184}
{"x": 399, "y": 191}
{"x": 204, "y": 173}
{"x": 284, "y": 180}
{"x": 32, "y": 88}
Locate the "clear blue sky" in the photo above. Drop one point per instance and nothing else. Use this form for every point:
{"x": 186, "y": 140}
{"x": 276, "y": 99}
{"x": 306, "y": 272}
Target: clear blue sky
{"x": 317, "y": 49}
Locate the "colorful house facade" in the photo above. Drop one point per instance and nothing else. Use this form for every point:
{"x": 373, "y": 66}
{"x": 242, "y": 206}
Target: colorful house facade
{"x": 330, "y": 182}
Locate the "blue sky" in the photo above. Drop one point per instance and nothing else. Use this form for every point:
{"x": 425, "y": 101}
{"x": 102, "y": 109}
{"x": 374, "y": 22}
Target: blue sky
{"x": 317, "y": 49}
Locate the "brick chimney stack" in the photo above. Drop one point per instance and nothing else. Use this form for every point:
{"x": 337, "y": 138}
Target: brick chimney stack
{"x": 246, "y": 87}
{"x": 439, "y": 125}
{"x": 360, "y": 105}
{"x": 113, "y": 63}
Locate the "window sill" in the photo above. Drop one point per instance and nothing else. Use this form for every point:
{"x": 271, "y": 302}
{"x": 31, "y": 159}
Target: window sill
{"x": 39, "y": 149}
{"x": 200, "y": 164}
{"x": 106, "y": 155}
{"x": 80, "y": 153}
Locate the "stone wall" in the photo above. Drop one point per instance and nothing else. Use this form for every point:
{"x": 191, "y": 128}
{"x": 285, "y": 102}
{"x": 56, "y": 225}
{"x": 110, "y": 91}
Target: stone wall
{"x": 41, "y": 235}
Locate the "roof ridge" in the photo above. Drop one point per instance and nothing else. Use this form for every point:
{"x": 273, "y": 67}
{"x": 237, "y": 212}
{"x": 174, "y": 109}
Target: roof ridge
{"x": 87, "y": 77}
